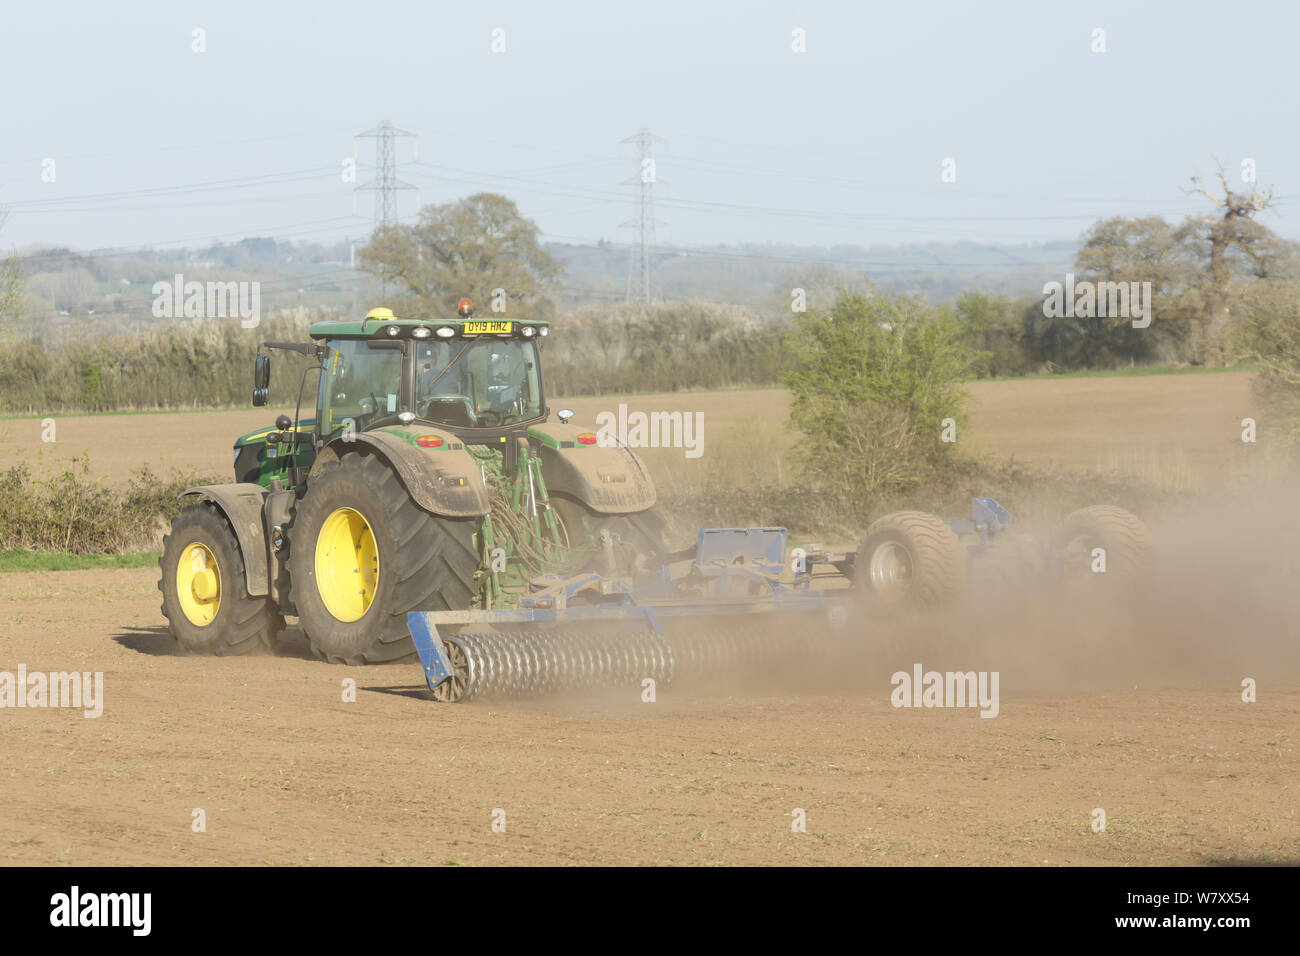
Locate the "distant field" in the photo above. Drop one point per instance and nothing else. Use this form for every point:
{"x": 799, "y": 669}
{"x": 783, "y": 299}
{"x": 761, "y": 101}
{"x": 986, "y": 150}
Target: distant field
{"x": 1177, "y": 429}
{"x": 1180, "y": 429}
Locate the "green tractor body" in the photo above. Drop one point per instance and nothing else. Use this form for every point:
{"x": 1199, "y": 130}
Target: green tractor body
{"x": 429, "y": 476}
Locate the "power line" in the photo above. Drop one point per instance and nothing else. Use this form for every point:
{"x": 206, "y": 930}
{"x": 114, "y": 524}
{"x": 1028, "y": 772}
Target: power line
{"x": 859, "y": 220}
{"x": 114, "y": 252}
{"x": 245, "y": 182}
{"x": 206, "y": 203}
{"x": 965, "y": 194}
{"x": 181, "y": 147}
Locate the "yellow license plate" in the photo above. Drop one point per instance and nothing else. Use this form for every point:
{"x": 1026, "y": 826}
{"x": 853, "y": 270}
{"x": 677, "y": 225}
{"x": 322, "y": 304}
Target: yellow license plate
{"x": 488, "y": 328}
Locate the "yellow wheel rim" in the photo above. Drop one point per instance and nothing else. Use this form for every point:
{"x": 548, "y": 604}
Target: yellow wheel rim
{"x": 198, "y": 584}
{"x": 347, "y": 565}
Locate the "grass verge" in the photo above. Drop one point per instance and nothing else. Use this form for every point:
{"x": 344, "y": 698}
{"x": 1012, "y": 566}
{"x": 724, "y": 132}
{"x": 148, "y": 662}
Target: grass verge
{"x": 1139, "y": 372}
{"x": 18, "y": 559}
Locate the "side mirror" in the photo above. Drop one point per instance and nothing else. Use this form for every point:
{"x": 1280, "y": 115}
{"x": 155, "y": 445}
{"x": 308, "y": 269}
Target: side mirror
{"x": 261, "y": 380}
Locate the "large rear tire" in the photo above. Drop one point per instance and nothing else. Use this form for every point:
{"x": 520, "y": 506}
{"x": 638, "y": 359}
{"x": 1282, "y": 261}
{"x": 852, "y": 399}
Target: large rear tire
{"x": 909, "y": 559}
{"x": 637, "y": 541}
{"x": 205, "y": 593}
{"x": 362, "y": 555}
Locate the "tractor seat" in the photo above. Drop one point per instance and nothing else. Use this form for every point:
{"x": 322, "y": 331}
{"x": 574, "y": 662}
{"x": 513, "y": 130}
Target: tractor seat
{"x": 451, "y": 410}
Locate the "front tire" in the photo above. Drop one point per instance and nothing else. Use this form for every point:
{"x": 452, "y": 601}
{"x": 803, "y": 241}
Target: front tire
{"x": 363, "y": 555}
{"x": 205, "y": 593}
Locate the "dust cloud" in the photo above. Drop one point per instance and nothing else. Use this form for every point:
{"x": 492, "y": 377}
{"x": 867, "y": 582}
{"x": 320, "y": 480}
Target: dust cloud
{"x": 1221, "y": 604}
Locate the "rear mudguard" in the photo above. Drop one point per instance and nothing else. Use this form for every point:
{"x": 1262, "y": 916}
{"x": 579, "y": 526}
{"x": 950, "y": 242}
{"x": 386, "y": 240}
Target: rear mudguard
{"x": 608, "y": 480}
{"x": 242, "y": 506}
{"x": 444, "y": 481}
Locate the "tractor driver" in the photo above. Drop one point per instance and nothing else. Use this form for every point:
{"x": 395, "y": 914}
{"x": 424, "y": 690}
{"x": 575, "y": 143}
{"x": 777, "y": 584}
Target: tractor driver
{"x": 505, "y": 376}
{"x": 440, "y": 395}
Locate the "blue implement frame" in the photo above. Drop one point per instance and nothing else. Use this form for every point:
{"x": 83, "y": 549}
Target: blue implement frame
{"x": 737, "y": 571}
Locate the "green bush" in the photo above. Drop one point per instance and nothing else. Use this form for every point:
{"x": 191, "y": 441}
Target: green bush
{"x": 74, "y": 512}
{"x": 873, "y": 383}
{"x": 993, "y": 332}
{"x": 1271, "y": 336}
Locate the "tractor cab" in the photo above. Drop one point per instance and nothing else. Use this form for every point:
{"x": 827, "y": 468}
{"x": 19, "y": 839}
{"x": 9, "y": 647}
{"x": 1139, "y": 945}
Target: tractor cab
{"x": 463, "y": 375}
{"x": 478, "y": 379}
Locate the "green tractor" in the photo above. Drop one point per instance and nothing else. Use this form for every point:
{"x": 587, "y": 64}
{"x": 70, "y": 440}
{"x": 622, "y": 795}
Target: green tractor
{"x": 431, "y": 478}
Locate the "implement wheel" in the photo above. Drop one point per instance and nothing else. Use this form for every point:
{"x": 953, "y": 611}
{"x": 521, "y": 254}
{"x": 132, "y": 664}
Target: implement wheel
{"x": 205, "y": 594}
{"x": 455, "y": 688}
{"x": 909, "y": 559}
{"x": 362, "y": 555}
{"x": 1103, "y": 536}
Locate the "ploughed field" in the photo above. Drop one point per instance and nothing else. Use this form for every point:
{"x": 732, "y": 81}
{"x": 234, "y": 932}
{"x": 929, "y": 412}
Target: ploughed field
{"x": 286, "y": 771}
{"x": 1136, "y": 711}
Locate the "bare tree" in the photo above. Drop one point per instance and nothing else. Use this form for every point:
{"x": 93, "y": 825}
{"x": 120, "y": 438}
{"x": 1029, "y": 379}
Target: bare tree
{"x": 1233, "y": 233}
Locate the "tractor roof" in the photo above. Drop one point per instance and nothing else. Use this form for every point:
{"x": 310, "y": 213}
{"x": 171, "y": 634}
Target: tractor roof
{"x": 378, "y": 323}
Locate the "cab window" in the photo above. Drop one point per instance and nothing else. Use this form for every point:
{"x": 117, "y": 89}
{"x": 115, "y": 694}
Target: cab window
{"x": 484, "y": 383}
{"x": 358, "y": 383}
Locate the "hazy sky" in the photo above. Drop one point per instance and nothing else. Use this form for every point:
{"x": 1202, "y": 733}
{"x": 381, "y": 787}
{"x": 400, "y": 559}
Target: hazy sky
{"x": 154, "y": 143}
